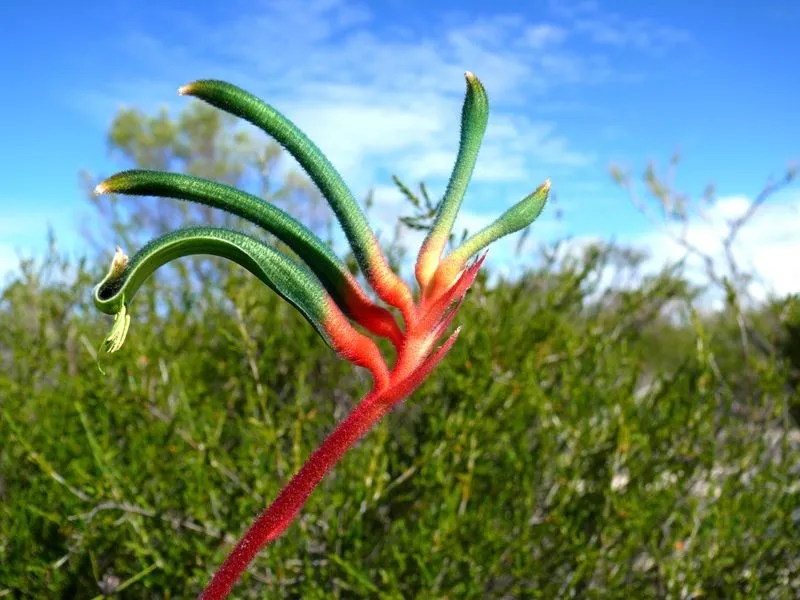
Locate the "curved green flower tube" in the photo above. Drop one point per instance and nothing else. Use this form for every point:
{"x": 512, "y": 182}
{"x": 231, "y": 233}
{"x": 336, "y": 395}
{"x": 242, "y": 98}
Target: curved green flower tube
{"x": 330, "y": 270}
{"x": 290, "y": 279}
{"x": 518, "y": 217}
{"x": 366, "y": 249}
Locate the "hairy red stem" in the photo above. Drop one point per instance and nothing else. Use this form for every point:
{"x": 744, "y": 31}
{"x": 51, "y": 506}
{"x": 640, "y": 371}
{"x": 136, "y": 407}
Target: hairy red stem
{"x": 279, "y": 515}
{"x": 414, "y": 363}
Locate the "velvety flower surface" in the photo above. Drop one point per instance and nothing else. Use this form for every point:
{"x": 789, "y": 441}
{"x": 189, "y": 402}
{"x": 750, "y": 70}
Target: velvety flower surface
{"x": 317, "y": 282}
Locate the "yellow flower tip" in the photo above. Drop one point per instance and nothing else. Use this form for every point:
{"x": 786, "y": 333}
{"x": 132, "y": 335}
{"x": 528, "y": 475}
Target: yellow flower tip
{"x": 100, "y": 189}
{"x": 185, "y": 90}
{"x": 470, "y": 76}
{"x": 546, "y": 185}
{"x": 118, "y": 263}
{"x": 119, "y": 331}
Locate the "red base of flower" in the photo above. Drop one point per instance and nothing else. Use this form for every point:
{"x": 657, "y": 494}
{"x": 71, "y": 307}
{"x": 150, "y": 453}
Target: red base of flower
{"x": 414, "y": 363}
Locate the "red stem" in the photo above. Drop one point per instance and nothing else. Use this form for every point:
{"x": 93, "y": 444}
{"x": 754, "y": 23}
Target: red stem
{"x": 279, "y": 515}
{"x": 414, "y": 363}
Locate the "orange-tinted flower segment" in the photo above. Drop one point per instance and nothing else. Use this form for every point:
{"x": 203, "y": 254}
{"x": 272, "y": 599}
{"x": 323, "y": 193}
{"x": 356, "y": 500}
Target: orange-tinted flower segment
{"x": 429, "y": 256}
{"x": 357, "y": 305}
{"x": 387, "y": 284}
{"x": 352, "y": 345}
{"x": 474, "y": 116}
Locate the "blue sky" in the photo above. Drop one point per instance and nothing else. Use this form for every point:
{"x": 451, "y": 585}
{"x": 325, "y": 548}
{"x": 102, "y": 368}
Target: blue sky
{"x": 574, "y": 86}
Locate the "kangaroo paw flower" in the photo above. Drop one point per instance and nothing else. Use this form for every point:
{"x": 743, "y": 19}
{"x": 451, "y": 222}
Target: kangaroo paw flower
{"x": 317, "y": 284}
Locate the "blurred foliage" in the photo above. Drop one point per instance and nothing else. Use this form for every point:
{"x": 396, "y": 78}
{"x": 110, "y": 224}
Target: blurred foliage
{"x": 588, "y": 436}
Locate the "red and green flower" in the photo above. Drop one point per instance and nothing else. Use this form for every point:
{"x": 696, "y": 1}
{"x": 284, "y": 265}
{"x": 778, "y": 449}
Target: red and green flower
{"x": 317, "y": 282}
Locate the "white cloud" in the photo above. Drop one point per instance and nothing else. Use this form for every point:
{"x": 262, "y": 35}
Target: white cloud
{"x": 543, "y": 35}
{"x": 605, "y": 27}
{"x": 766, "y": 246}
{"x": 613, "y": 30}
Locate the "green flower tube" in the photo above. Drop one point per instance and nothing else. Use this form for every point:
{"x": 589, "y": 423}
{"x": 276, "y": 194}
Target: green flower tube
{"x": 518, "y": 217}
{"x": 330, "y": 270}
{"x": 474, "y": 117}
{"x": 234, "y": 100}
{"x": 290, "y": 279}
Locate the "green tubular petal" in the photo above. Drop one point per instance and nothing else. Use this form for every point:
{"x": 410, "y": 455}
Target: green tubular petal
{"x": 331, "y": 271}
{"x": 288, "y": 278}
{"x": 245, "y": 105}
{"x": 474, "y": 116}
{"x": 515, "y": 218}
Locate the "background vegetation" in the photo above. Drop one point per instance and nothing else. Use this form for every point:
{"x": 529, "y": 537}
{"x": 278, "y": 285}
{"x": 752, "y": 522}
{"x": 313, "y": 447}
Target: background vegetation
{"x": 581, "y": 440}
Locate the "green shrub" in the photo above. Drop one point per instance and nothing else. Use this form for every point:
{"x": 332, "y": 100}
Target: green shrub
{"x": 550, "y": 456}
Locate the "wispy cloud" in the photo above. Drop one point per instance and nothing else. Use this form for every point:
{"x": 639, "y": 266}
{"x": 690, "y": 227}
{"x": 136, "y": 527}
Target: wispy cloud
{"x": 380, "y": 98}
{"x": 764, "y": 246}
{"x": 372, "y": 93}
{"x": 605, "y": 27}
{"x": 574, "y": 85}
{"x": 384, "y": 98}
{"x": 543, "y": 35}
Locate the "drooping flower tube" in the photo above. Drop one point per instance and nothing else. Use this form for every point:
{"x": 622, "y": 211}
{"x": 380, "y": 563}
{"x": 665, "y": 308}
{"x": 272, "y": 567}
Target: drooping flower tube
{"x": 317, "y": 284}
{"x": 331, "y": 271}
{"x": 291, "y": 280}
